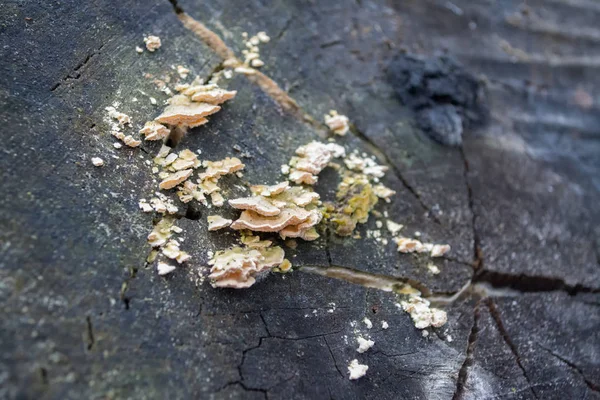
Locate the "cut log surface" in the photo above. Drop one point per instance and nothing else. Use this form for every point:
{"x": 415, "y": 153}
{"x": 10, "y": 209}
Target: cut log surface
{"x": 84, "y": 316}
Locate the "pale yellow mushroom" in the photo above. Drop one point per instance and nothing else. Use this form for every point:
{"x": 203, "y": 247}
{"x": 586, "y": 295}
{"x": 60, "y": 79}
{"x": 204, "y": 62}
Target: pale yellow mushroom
{"x": 183, "y": 112}
{"x": 260, "y": 223}
{"x": 153, "y": 130}
{"x": 216, "y": 222}
{"x": 175, "y": 179}
{"x": 255, "y": 203}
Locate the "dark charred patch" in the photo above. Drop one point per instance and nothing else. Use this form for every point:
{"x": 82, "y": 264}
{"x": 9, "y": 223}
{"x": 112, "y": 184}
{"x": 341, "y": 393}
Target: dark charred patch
{"x": 446, "y": 99}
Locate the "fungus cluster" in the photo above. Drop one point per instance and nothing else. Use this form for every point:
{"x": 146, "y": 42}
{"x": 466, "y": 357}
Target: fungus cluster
{"x": 357, "y": 193}
{"x": 290, "y": 211}
{"x": 153, "y": 130}
{"x": 159, "y": 203}
{"x": 207, "y": 184}
{"x": 355, "y": 200}
{"x": 311, "y": 160}
{"x": 408, "y": 245}
{"x": 251, "y": 54}
{"x": 365, "y": 165}
{"x": 161, "y": 240}
{"x": 188, "y": 109}
{"x": 176, "y": 168}
{"x": 153, "y": 43}
{"x": 116, "y": 127}
{"x": 337, "y": 123}
{"x": 357, "y": 370}
{"x": 237, "y": 267}
{"x": 422, "y": 314}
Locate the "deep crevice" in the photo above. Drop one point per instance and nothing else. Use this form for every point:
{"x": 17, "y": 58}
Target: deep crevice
{"x": 477, "y": 251}
{"x": 125, "y": 286}
{"x": 501, "y": 328}
{"x": 530, "y": 284}
{"x": 44, "y": 375}
{"x": 176, "y": 7}
{"x": 89, "y": 334}
{"x": 463, "y": 373}
{"x": 327, "y": 245}
{"x": 75, "y": 74}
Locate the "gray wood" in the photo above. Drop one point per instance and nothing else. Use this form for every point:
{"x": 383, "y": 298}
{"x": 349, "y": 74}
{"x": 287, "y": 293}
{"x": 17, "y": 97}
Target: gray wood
{"x": 82, "y": 316}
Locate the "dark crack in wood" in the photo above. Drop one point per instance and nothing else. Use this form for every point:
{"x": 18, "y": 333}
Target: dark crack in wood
{"x": 463, "y": 373}
{"x": 508, "y": 341}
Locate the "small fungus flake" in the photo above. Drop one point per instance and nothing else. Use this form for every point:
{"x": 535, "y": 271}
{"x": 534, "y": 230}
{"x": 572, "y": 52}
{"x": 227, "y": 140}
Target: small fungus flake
{"x": 216, "y": 222}
{"x": 127, "y": 139}
{"x": 182, "y": 71}
{"x": 368, "y": 323}
{"x": 217, "y": 199}
{"x": 422, "y": 315}
{"x": 181, "y": 111}
{"x": 164, "y": 268}
{"x": 407, "y": 245}
{"x": 272, "y": 190}
{"x": 97, "y": 161}
{"x": 210, "y": 93}
{"x": 255, "y": 203}
{"x": 384, "y": 325}
{"x": 171, "y": 249}
{"x": 383, "y": 192}
{"x": 263, "y": 37}
{"x": 311, "y": 160}
{"x": 365, "y": 165}
{"x": 122, "y": 118}
{"x": 284, "y": 267}
{"x": 161, "y": 232}
{"x": 245, "y": 70}
{"x": 154, "y": 131}
{"x": 216, "y": 169}
{"x": 152, "y": 43}
{"x": 357, "y": 370}
{"x": 364, "y": 344}
{"x": 337, "y": 123}
{"x": 139, "y": 49}
{"x": 439, "y": 250}
{"x": 175, "y": 179}
{"x": 433, "y": 269}
{"x": 393, "y": 227}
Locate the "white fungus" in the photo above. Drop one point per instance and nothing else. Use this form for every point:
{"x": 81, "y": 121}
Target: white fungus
{"x": 364, "y": 344}
{"x": 152, "y": 43}
{"x": 357, "y": 370}
{"x": 164, "y": 268}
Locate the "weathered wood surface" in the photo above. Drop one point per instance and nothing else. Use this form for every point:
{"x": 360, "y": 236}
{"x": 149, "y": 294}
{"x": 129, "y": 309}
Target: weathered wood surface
{"x": 518, "y": 201}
